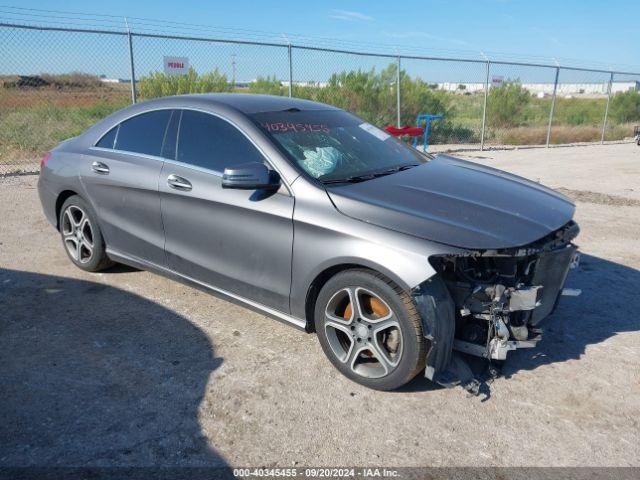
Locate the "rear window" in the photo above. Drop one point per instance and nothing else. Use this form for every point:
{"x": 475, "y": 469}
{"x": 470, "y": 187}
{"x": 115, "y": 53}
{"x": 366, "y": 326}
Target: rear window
{"x": 143, "y": 133}
{"x": 109, "y": 138}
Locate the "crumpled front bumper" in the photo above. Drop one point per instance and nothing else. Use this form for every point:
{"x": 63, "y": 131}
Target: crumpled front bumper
{"x": 510, "y": 315}
{"x": 541, "y": 299}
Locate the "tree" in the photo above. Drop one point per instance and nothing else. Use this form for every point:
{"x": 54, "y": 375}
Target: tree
{"x": 625, "y": 107}
{"x": 267, "y": 85}
{"x": 506, "y": 104}
{"x": 158, "y": 84}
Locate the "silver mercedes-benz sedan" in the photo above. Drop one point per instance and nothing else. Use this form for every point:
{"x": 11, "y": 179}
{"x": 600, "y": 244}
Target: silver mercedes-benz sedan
{"x": 400, "y": 262}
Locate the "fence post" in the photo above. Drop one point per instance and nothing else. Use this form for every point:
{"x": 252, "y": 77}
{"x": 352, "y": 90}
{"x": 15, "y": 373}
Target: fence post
{"x": 132, "y": 68}
{"x": 290, "y": 72}
{"x": 606, "y": 109}
{"x": 398, "y": 91}
{"x": 553, "y": 105}
{"x": 484, "y": 106}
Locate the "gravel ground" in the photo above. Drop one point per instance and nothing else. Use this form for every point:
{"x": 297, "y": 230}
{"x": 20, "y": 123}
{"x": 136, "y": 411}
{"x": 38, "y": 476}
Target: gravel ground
{"x": 127, "y": 368}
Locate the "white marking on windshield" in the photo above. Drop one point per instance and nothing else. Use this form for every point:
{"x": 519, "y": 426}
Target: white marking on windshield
{"x": 376, "y": 132}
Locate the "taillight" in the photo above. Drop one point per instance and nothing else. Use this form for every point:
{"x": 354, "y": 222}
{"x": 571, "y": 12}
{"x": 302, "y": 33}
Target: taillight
{"x": 43, "y": 160}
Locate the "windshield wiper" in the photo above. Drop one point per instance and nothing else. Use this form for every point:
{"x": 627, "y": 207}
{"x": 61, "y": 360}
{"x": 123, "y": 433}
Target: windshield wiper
{"x": 370, "y": 176}
{"x": 395, "y": 169}
{"x": 354, "y": 179}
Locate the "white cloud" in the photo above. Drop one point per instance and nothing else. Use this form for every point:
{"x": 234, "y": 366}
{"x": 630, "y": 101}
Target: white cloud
{"x": 350, "y": 16}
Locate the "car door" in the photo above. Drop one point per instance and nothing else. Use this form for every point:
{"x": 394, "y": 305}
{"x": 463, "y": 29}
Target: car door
{"x": 239, "y": 241}
{"x": 122, "y": 183}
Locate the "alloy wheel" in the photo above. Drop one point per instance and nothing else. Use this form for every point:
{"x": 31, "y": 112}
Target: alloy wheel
{"x": 77, "y": 234}
{"x": 363, "y": 332}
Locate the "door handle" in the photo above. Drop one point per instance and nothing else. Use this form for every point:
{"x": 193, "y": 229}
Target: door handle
{"x": 179, "y": 183}
{"x": 100, "y": 167}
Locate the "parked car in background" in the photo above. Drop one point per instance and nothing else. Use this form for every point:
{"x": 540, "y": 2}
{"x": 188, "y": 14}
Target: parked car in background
{"x": 397, "y": 260}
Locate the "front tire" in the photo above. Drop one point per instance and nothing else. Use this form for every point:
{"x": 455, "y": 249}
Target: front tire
{"x": 370, "y": 329}
{"x": 81, "y": 236}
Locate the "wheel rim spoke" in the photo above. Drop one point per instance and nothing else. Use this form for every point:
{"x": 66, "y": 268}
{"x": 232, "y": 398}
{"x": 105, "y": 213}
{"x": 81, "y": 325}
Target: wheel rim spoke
{"x": 341, "y": 345}
{"x": 72, "y": 246}
{"x": 67, "y": 223}
{"x": 378, "y": 302}
{"x": 330, "y": 312}
{"x": 385, "y": 324}
{"x": 353, "y": 356}
{"x": 87, "y": 245}
{"x": 356, "y": 307}
{"x": 78, "y": 251}
{"x": 81, "y": 220}
{"x": 380, "y": 353}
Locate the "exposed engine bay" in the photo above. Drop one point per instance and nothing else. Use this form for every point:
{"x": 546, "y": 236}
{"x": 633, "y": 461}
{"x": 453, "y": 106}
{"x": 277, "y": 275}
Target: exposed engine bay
{"x": 495, "y": 300}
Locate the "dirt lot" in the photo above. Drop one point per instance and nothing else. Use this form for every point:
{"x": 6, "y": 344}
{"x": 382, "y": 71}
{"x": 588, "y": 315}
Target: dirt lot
{"x": 128, "y": 368}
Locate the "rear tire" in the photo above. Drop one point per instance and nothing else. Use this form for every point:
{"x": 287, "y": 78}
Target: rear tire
{"x": 81, "y": 236}
{"x": 370, "y": 329}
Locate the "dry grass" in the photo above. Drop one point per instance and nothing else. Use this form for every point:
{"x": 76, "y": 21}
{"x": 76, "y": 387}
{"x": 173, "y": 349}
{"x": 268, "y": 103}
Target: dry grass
{"x": 560, "y": 134}
{"x": 33, "y": 121}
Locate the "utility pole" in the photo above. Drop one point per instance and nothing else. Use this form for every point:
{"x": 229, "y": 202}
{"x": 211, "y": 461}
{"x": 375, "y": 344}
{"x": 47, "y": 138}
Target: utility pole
{"x": 606, "y": 109}
{"x": 553, "y": 103}
{"x": 398, "y": 91}
{"x": 132, "y": 69}
{"x": 233, "y": 71}
{"x": 484, "y": 104}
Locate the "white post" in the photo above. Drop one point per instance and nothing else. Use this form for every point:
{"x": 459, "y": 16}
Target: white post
{"x": 484, "y": 106}
{"x": 553, "y": 105}
{"x": 606, "y": 109}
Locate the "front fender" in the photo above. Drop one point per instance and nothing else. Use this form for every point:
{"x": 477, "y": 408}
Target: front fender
{"x": 325, "y": 238}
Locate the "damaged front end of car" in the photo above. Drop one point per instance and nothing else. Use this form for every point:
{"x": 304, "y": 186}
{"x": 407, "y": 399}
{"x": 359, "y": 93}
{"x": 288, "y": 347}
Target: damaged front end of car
{"x": 487, "y": 303}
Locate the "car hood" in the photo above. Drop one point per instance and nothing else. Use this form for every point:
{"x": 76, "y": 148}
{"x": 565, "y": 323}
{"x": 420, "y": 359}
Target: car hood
{"x": 458, "y": 203}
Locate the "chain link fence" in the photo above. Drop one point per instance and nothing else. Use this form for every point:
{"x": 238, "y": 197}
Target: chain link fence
{"x": 363, "y": 84}
{"x": 55, "y": 82}
{"x": 452, "y": 88}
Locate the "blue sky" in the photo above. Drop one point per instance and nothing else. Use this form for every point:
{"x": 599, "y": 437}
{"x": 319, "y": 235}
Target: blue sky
{"x": 597, "y": 31}
{"x": 590, "y": 33}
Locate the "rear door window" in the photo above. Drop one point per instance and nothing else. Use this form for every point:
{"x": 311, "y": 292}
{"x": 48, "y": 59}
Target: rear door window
{"x": 170, "y": 136}
{"x": 210, "y": 142}
{"x": 143, "y": 133}
{"x": 109, "y": 138}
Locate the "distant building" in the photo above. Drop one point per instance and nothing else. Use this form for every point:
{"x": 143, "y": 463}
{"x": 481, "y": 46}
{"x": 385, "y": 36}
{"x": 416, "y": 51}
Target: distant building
{"x": 115, "y": 80}
{"x": 599, "y": 88}
{"x": 285, "y": 83}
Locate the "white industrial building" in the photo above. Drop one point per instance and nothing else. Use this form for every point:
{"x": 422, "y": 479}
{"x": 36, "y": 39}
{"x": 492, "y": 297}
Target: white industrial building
{"x": 599, "y": 88}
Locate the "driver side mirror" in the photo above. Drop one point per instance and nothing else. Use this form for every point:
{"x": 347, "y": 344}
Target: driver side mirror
{"x": 250, "y": 176}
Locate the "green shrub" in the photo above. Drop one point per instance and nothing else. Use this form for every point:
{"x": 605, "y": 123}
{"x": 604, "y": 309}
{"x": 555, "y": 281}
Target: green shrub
{"x": 369, "y": 94}
{"x": 267, "y": 85}
{"x": 33, "y": 120}
{"x": 158, "y": 84}
{"x": 625, "y": 107}
{"x": 579, "y": 111}
{"x": 506, "y": 104}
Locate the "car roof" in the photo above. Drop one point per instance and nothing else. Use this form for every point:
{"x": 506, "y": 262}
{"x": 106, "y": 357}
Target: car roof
{"x": 244, "y": 102}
